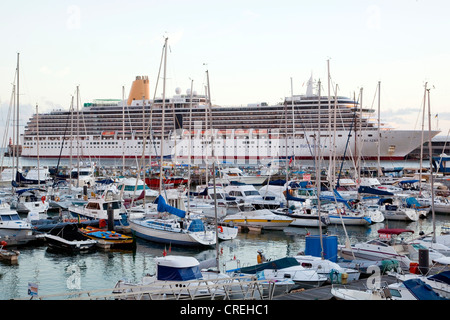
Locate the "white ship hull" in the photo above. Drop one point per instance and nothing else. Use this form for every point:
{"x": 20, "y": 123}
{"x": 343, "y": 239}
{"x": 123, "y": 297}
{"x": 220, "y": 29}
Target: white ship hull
{"x": 395, "y": 145}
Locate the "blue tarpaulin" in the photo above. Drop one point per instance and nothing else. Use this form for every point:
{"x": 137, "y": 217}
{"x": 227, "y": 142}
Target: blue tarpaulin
{"x": 421, "y": 290}
{"x": 178, "y": 274}
{"x": 412, "y": 202}
{"x": 196, "y": 225}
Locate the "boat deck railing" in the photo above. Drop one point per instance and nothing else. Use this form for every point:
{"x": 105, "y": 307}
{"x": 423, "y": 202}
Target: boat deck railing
{"x": 233, "y": 288}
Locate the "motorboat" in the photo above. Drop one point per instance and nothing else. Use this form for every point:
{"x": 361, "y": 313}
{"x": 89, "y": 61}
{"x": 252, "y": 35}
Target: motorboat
{"x": 83, "y": 176}
{"x": 227, "y": 231}
{"x": 439, "y": 282}
{"x": 97, "y": 209}
{"x": 206, "y": 208}
{"x": 250, "y": 195}
{"x": 179, "y": 230}
{"x": 394, "y": 210}
{"x": 333, "y": 271}
{"x": 177, "y": 277}
{"x": 132, "y": 188}
{"x": 387, "y": 246}
{"x": 429, "y": 243}
{"x": 305, "y": 216}
{"x": 204, "y": 202}
{"x": 12, "y": 226}
{"x": 413, "y": 289}
{"x": 441, "y": 204}
{"x": 30, "y": 200}
{"x": 69, "y": 239}
{"x": 282, "y": 269}
{"x": 365, "y": 267}
{"x": 262, "y": 218}
{"x": 236, "y": 175}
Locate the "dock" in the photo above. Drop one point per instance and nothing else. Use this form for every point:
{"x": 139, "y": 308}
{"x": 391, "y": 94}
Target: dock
{"x": 324, "y": 292}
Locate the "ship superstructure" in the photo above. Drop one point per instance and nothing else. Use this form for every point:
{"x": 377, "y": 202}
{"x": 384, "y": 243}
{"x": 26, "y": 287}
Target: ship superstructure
{"x": 194, "y": 128}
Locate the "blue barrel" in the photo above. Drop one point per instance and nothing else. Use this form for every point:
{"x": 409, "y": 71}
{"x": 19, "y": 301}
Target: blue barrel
{"x": 330, "y": 247}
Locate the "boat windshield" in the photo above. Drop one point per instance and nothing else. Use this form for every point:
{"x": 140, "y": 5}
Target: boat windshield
{"x": 377, "y": 243}
{"x": 251, "y": 193}
{"x": 9, "y": 217}
{"x": 114, "y": 205}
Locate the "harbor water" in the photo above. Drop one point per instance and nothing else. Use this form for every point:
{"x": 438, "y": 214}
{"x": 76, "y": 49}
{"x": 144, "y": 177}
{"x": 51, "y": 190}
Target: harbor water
{"x": 58, "y": 273}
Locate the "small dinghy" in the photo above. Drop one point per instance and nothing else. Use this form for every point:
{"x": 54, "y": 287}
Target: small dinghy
{"x": 106, "y": 238}
{"x": 69, "y": 239}
{"x": 11, "y": 256}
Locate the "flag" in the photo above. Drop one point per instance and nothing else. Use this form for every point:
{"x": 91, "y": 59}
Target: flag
{"x": 164, "y": 252}
{"x": 290, "y": 161}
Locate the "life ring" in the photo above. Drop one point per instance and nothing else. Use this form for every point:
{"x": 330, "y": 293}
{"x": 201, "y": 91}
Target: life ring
{"x": 220, "y": 229}
{"x": 57, "y": 199}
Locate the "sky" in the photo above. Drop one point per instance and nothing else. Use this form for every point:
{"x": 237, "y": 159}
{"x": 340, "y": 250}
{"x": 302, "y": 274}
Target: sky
{"x": 251, "y": 49}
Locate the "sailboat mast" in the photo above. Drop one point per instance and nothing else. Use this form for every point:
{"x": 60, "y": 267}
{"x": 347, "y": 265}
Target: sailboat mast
{"x": 78, "y": 136}
{"x": 430, "y": 152}
{"x": 214, "y": 173}
{"x": 163, "y": 119}
{"x": 190, "y": 145}
{"x": 421, "y": 144}
{"x": 330, "y": 162}
{"x": 293, "y": 125}
{"x": 123, "y": 130}
{"x": 318, "y": 180}
{"x": 379, "y": 129}
{"x": 37, "y": 136}
{"x": 17, "y": 117}
{"x": 71, "y": 145}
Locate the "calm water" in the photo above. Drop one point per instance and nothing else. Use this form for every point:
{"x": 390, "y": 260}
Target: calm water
{"x": 57, "y": 273}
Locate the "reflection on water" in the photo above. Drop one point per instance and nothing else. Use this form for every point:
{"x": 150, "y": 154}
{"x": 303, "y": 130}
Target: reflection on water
{"x": 57, "y": 273}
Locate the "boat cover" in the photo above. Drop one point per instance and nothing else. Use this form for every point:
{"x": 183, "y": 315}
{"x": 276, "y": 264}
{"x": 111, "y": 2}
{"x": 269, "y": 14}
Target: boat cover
{"x": 365, "y": 189}
{"x": 178, "y": 274}
{"x": 196, "y": 225}
{"x": 164, "y": 207}
{"x": 412, "y": 202}
{"x": 291, "y": 197}
{"x": 279, "y": 182}
{"x": 275, "y": 264}
{"x": 394, "y": 231}
{"x": 441, "y": 277}
{"x": 421, "y": 290}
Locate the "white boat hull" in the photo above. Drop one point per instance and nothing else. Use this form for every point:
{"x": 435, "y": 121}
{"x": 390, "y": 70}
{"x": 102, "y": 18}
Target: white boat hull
{"x": 350, "y": 220}
{"x": 142, "y": 230}
{"x": 253, "y": 219}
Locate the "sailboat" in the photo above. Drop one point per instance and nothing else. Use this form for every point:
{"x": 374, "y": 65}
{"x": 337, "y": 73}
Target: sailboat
{"x": 178, "y": 230}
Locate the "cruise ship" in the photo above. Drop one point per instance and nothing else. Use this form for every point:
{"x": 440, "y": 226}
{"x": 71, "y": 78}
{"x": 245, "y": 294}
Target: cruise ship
{"x": 195, "y": 129}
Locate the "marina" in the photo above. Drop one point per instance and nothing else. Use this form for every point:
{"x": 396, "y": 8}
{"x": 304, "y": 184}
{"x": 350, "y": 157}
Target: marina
{"x": 66, "y": 275}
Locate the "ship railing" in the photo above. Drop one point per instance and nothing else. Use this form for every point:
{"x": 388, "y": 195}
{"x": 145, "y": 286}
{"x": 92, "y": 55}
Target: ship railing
{"x": 233, "y": 288}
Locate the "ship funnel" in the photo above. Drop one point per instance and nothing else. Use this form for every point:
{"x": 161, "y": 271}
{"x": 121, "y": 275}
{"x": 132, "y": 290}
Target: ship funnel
{"x": 140, "y": 88}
